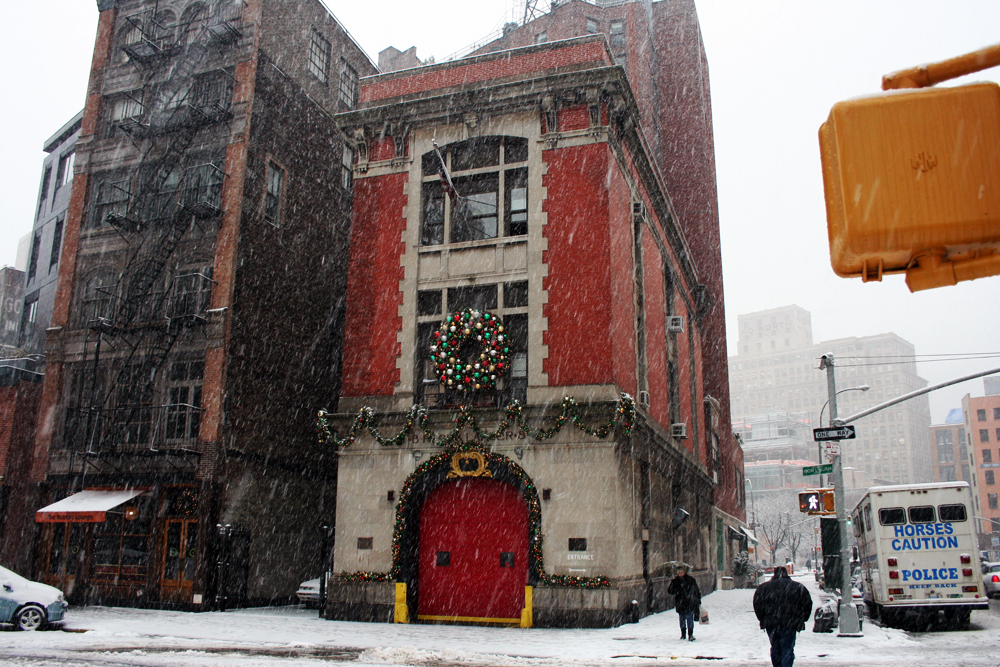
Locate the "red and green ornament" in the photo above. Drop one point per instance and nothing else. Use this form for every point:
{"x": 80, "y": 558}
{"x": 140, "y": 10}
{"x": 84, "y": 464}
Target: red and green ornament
{"x": 486, "y": 333}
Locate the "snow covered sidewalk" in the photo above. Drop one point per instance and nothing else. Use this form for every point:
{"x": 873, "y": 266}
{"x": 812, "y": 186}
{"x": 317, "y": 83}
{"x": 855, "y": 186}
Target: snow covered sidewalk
{"x": 273, "y": 636}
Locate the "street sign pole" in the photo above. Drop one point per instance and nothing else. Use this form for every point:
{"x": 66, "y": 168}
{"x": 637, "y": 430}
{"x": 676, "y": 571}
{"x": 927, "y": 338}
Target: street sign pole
{"x": 849, "y": 625}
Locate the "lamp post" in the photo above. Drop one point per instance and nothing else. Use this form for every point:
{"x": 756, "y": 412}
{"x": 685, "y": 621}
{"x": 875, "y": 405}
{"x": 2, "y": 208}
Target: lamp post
{"x": 849, "y": 624}
{"x": 819, "y": 445}
{"x": 753, "y": 516}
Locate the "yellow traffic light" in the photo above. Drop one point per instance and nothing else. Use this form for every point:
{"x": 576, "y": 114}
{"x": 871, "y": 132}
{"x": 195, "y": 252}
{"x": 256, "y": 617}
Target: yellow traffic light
{"x": 912, "y": 183}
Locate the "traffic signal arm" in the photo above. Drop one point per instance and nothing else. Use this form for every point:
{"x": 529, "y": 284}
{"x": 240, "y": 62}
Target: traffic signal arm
{"x": 929, "y": 75}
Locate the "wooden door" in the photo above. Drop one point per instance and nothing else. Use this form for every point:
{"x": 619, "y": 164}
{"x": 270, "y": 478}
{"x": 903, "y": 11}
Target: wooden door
{"x": 180, "y": 555}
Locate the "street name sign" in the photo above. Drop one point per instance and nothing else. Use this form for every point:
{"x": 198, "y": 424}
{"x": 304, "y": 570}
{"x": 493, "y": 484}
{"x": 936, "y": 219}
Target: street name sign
{"x": 818, "y": 470}
{"x": 839, "y": 433}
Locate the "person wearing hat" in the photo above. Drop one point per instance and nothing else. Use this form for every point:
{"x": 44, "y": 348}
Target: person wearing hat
{"x": 782, "y": 606}
{"x": 687, "y": 599}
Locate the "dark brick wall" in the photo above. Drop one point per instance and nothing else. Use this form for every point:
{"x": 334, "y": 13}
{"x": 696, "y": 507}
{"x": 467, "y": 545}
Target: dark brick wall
{"x": 18, "y": 414}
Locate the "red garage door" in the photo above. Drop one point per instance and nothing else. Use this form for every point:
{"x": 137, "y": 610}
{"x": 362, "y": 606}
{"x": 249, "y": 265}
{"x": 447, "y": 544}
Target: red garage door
{"x": 473, "y": 552}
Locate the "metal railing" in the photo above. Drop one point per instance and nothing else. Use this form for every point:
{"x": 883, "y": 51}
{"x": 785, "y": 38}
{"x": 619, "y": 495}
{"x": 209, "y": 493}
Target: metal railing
{"x": 133, "y": 428}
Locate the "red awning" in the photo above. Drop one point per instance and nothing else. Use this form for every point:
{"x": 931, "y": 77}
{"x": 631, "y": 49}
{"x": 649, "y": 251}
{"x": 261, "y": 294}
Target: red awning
{"x": 86, "y": 506}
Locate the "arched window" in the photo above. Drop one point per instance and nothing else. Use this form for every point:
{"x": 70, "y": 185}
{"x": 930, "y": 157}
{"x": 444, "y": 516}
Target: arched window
{"x": 475, "y": 189}
{"x": 191, "y": 22}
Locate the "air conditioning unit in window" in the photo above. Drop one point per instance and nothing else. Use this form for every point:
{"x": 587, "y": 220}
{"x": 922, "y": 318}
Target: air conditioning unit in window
{"x": 675, "y": 324}
{"x": 679, "y": 431}
{"x": 644, "y": 399}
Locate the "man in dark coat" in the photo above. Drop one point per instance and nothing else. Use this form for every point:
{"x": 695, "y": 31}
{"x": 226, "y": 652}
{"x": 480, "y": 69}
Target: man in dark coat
{"x": 687, "y": 599}
{"x": 782, "y": 606}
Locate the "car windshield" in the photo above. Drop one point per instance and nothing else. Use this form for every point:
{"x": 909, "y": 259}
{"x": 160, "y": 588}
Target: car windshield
{"x": 995, "y": 568}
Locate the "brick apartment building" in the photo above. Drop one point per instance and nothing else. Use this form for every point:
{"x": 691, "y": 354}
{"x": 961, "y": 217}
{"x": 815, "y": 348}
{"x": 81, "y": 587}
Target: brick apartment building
{"x": 982, "y": 434}
{"x": 198, "y": 314}
{"x": 776, "y": 370}
{"x": 524, "y": 192}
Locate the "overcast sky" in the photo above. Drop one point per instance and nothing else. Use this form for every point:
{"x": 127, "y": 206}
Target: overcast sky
{"x": 776, "y": 69}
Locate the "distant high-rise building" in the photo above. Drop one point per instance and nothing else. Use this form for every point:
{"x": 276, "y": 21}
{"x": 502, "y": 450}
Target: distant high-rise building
{"x": 949, "y": 450}
{"x": 776, "y": 370}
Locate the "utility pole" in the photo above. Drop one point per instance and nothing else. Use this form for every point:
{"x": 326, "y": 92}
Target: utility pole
{"x": 849, "y": 625}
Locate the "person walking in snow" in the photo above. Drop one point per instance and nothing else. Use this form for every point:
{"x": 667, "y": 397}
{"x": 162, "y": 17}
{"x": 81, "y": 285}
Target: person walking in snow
{"x": 782, "y": 606}
{"x": 687, "y": 599}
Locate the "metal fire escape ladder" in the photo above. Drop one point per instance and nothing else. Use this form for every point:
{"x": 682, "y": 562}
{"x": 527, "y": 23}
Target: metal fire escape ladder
{"x": 150, "y": 345}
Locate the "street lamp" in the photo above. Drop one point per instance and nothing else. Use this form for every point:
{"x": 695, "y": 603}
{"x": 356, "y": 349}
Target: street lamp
{"x": 862, "y": 387}
{"x": 819, "y": 445}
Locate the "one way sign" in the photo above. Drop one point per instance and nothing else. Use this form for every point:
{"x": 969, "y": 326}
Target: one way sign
{"x": 839, "y": 433}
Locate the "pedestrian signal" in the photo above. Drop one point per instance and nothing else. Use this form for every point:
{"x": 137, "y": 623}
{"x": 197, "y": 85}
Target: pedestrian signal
{"x": 817, "y": 501}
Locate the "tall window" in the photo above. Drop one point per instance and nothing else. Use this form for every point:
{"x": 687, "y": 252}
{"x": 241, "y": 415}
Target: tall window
{"x": 183, "y": 416}
{"x": 64, "y": 175}
{"x": 36, "y": 242}
{"x": 28, "y": 317}
{"x": 319, "y": 56}
{"x": 992, "y": 498}
{"x": 474, "y": 190}
{"x": 592, "y": 27}
{"x": 272, "y": 198}
{"x": 346, "y": 167}
{"x": 348, "y": 84}
{"x": 617, "y": 36}
{"x": 56, "y": 242}
{"x": 45, "y": 189}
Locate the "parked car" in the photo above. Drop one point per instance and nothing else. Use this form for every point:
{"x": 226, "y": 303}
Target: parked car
{"x": 308, "y": 593}
{"x": 991, "y": 579}
{"x": 29, "y": 605}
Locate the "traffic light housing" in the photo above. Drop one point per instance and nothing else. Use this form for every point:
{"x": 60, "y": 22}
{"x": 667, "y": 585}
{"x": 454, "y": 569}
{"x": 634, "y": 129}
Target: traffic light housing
{"x": 912, "y": 184}
{"x": 816, "y": 501}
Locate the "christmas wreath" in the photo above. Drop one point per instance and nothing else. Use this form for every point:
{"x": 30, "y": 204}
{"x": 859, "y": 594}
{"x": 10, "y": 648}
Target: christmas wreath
{"x": 454, "y": 366}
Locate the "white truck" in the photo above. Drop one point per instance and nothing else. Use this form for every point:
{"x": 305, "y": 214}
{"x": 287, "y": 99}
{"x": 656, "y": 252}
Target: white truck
{"x": 917, "y": 549}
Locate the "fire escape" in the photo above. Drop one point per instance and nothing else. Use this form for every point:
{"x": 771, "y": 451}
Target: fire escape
{"x": 144, "y": 314}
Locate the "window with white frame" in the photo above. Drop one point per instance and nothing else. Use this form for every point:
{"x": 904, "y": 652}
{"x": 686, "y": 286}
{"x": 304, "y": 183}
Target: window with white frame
{"x": 346, "y": 167}
{"x": 183, "y": 400}
{"x": 474, "y": 190}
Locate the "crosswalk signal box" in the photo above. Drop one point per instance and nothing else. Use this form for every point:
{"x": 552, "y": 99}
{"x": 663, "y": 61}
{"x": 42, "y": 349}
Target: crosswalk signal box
{"x": 816, "y": 501}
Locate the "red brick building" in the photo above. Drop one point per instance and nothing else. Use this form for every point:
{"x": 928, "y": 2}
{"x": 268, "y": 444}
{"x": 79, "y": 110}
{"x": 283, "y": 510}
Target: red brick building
{"x": 982, "y": 431}
{"x": 528, "y": 187}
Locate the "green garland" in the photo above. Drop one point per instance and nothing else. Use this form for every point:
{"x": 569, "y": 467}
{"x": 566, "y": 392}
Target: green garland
{"x": 569, "y": 410}
{"x": 535, "y": 536}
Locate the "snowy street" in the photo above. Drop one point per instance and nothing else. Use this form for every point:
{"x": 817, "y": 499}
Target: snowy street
{"x": 290, "y": 635}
